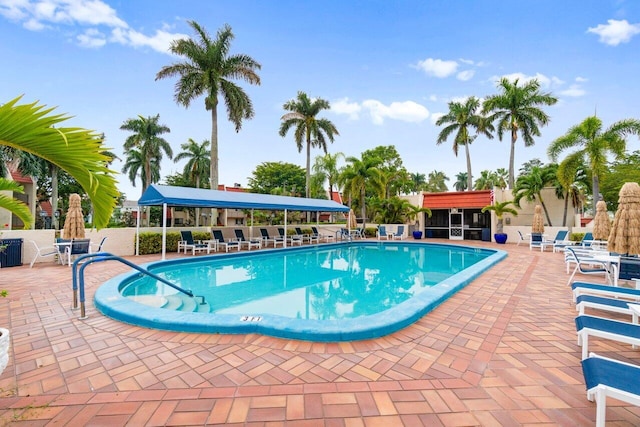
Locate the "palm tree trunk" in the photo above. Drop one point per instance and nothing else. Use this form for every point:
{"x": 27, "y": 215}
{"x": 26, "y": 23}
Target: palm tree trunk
{"x": 546, "y": 212}
{"x": 596, "y": 192}
{"x": 566, "y": 208}
{"x": 469, "y": 176}
{"x": 54, "y": 195}
{"x": 214, "y": 147}
{"x": 363, "y": 209}
{"x": 512, "y": 155}
{"x": 308, "y": 175}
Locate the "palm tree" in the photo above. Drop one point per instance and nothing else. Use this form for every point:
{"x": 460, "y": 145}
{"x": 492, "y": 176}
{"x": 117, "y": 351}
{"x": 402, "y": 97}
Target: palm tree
{"x": 529, "y": 186}
{"x": 209, "y": 70}
{"x": 486, "y": 181}
{"x": 437, "y": 182}
{"x": 328, "y": 166}
{"x": 199, "y": 161}
{"x": 593, "y": 145}
{"x": 418, "y": 182}
{"x": 462, "y": 181}
{"x": 146, "y": 139}
{"x": 501, "y": 208}
{"x": 134, "y": 167}
{"x": 309, "y": 129}
{"x": 516, "y": 109}
{"x": 15, "y": 206}
{"x": 462, "y": 119}
{"x": 79, "y": 152}
{"x": 357, "y": 176}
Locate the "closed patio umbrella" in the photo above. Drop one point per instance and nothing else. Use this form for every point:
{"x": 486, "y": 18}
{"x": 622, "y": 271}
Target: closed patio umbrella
{"x": 353, "y": 222}
{"x": 601, "y": 222}
{"x": 537, "y": 225}
{"x": 74, "y": 222}
{"x": 624, "y": 237}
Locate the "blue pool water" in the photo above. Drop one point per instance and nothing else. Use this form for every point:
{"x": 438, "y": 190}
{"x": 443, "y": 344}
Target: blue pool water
{"x": 331, "y": 292}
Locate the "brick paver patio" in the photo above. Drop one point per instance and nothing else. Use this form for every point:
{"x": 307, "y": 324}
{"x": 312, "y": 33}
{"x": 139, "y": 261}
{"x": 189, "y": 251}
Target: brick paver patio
{"x": 501, "y": 352}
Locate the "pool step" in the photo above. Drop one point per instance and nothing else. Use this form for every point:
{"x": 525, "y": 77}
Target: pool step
{"x": 179, "y": 302}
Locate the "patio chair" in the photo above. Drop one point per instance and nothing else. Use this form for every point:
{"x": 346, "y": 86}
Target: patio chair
{"x": 217, "y": 235}
{"x": 613, "y": 305}
{"x": 382, "y": 233}
{"x": 538, "y": 241}
{"x": 253, "y": 242}
{"x": 522, "y": 238}
{"x": 293, "y": 239}
{"x": 188, "y": 243}
{"x": 308, "y": 237}
{"x": 586, "y": 265}
{"x": 321, "y": 236}
{"x": 561, "y": 241}
{"x": 599, "y": 327}
{"x": 76, "y": 248}
{"x": 399, "y": 234}
{"x": 266, "y": 238}
{"x": 99, "y": 246}
{"x": 587, "y": 240}
{"x": 44, "y": 252}
{"x": 606, "y": 377}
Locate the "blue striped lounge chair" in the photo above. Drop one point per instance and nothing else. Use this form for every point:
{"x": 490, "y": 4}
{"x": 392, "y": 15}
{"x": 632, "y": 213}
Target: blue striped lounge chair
{"x": 606, "y": 377}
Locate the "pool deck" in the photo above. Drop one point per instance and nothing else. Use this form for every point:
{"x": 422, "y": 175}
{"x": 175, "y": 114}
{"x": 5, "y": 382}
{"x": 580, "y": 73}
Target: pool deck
{"x": 501, "y": 352}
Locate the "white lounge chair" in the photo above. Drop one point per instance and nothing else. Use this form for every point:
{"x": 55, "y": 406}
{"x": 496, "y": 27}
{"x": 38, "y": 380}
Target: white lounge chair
{"x": 587, "y": 265}
{"x": 399, "y": 234}
{"x": 382, "y": 233}
{"x": 606, "y": 377}
{"x": 590, "y": 326}
{"x": 44, "y": 252}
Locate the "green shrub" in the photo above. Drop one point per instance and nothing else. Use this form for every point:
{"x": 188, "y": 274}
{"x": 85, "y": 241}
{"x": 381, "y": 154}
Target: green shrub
{"x": 151, "y": 243}
{"x": 370, "y": 231}
{"x": 576, "y": 237}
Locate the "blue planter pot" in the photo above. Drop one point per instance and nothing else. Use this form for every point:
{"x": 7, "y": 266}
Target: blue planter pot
{"x": 500, "y": 238}
{"x": 417, "y": 234}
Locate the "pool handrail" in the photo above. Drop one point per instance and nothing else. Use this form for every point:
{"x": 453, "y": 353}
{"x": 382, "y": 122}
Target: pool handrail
{"x": 87, "y": 259}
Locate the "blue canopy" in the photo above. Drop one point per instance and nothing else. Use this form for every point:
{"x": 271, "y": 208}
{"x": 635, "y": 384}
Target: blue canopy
{"x": 156, "y": 195}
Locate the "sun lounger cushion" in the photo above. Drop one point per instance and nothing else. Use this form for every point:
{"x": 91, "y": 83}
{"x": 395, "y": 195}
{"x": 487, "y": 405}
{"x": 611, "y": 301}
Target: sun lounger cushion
{"x": 581, "y": 288}
{"x": 600, "y": 303}
{"x": 605, "y": 328}
{"x": 609, "y": 378}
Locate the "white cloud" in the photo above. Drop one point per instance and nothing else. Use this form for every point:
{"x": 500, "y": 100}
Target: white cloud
{"x": 545, "y": 82}
{"x": 343, "y": 106}
{"x": 573, "y": 91}
{"x": 405, "y": 111}
{"x": 92, "y": 38}
{"x": 615, "y": 32}
{"x": 582, "y": 79}
{"x": 37, "y": 15}
{"x": 437, "y": 67}
{"x": 465, "y": 75}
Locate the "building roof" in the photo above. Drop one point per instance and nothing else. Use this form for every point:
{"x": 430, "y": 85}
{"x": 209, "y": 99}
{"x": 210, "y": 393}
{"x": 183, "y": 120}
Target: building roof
{"x": 200, "y": 197}
{"x": 19, "y": 178}
{"x": 458, "y": 199}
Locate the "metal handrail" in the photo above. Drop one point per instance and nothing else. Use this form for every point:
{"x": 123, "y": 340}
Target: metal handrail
{"x": 105, "y": 256}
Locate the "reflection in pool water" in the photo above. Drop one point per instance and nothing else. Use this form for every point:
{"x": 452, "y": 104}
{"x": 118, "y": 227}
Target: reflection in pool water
{"x": 332, "y": 290}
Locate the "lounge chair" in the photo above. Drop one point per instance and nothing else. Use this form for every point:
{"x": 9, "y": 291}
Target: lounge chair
{"x": 308, "y": 237}
{"x": 321, "y": 236}
{"x": 293, "y": 239}
{"x": 538, "y": 241}
{"x": 585, "y": 288}
{"x": 587, "y": 265}
{"x": 99, "y": 246}
{"x": 614, "y": 305}
{"x": 253, "y": 242}
{"x": 399, "y": 234}
{"x": 587, "y": 240}
{"x": 561, "y": 241}
{"x": 266, "y": 239}
{"x": 606, "y": 377}
{"x": 44, "y": 252}
{"x": 382, "y": 233}
{"x": 522, "y": 238}
{"x": 77, "y": 248}
{"x": 219, "y": 238}
{"x": 589, "y": 326}
{"x": 188, "y": 243}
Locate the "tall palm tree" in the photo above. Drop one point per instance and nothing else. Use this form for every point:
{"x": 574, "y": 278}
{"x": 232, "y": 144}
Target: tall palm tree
{"x": 463, "y": 120}
{"x": 309, "y": 129}
{"x": 198, "y": 158}
{"x": 462, "y": 181}
{"x": 146, "y": 139}
{"x": 593, "y": 144}
{"x": 328, "y": 166}
{"x": 516, "y": 108}
{"x": 418, "y": 182}
{"x": 486, "y": 181}
{"x": 357, "y": 176}
{"x": 209, "y": 70}
{"x": 79, "y": 152}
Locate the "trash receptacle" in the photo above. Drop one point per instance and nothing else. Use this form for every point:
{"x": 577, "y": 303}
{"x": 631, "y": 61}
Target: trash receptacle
{"x": 486, "y": 234}
{"x": 10, "y": 252}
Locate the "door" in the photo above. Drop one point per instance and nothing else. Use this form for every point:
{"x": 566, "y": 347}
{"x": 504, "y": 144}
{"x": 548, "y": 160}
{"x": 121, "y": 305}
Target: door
{"x": 455, "y": 225}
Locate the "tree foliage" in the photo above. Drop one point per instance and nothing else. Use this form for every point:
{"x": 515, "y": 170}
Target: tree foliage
{"x": 277, "y": 178}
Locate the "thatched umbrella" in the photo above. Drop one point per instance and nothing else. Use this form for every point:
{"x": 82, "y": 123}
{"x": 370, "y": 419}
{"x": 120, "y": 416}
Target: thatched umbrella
{"x": 353, "y": 222}
{"x": 74, "y": 222}
{"x": 601, "y": 222}
{"x": 624, "y": 237}
{"x": 538, "y": 222}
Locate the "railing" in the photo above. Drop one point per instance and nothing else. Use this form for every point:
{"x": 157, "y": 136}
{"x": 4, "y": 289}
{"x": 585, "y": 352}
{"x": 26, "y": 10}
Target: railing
{"x": 87, "y": 259}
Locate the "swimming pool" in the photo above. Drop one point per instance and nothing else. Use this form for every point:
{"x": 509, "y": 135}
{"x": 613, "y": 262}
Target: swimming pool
{"x": 330, "y": 292}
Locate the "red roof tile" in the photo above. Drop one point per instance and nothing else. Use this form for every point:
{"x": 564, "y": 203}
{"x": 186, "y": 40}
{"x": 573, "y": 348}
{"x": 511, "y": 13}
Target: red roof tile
{"x": 457, "y": 199}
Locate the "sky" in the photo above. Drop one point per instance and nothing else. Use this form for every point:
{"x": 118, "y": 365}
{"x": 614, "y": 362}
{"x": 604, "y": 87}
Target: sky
{"x": 388, "y": 69}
